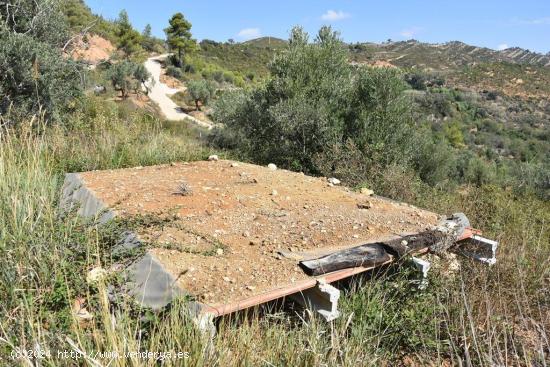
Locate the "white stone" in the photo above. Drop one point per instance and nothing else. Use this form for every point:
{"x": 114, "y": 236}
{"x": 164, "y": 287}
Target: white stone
{"x": 367, "y": 192}
{"x": 95, "y": 275}
{"x": 334, "y": 181}
{"x": 272, "y": 167}
{"x": 213, "y": 157}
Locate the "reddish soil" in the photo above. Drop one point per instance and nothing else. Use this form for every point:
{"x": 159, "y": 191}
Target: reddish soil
{"x": 170, "y": 80}
{"x": 94, "y": 50}
{"x": 253, "y": 214}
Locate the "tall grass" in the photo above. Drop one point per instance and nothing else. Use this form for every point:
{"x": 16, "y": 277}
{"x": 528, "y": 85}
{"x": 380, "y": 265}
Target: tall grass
{"x": 477, "y": 317}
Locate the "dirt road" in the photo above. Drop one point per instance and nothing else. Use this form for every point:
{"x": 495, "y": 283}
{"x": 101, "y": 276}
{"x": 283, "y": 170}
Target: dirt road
{"x": 160, "y": 92}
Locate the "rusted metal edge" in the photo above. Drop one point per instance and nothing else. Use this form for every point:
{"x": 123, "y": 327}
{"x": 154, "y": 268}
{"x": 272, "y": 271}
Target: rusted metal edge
{"x": 274, "y": 294}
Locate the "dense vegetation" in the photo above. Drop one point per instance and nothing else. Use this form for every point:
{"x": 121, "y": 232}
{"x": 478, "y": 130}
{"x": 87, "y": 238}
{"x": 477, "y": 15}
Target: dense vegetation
{"x": 120, "y": 32}
{"x": 34, "y": 76}
{"x": 314, "y": 112}
{"x": 319, "y": 114}
{"x": 316, "y": 108}
{"x": 229, "y": 63}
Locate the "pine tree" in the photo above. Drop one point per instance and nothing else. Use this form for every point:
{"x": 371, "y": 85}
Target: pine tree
{"x": 179, "y": 36}
{"x": 129, "y": 39}
{"x": 147, "y": 40}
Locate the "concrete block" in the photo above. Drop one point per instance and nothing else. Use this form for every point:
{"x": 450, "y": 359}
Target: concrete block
{"x": 150, "y": 284}
{"x": 75, "y": 195}
{"x": 480, "y": 249}
{"x": 323, "y": 299}
{"x": 423, "y": 267}
{"x": 146, "y": 279}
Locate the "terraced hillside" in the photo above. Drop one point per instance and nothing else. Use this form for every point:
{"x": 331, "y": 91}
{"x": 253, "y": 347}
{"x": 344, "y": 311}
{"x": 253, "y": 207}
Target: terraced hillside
{"x": 442, "y": 56}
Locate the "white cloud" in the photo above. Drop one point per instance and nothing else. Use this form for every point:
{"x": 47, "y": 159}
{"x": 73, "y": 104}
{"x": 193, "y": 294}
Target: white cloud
{"x": 333, "y": 16}
{"x": 536, "y": 21}
{"x": 502, "y": 46}
{"x": 249, "y": 33}
{"x": 410, "y": 32}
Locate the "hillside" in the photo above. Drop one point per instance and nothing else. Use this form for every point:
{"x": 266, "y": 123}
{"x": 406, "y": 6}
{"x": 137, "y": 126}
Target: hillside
{"x": 490, "y": 103}
{"x": 247, "y": 60}
{"x": 442, "y": 56}
{"x": 312, "y": 150}
{"x": 81, "y": 19}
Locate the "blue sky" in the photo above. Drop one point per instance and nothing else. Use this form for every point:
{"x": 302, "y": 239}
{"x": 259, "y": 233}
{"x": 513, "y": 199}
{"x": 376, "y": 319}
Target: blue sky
{"x": 489, "y": 23}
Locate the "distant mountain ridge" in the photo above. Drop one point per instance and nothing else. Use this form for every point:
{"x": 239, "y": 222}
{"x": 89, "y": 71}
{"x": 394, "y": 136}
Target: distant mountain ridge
{"x": 439, "y": 56}
{"x": 451, "y": 54}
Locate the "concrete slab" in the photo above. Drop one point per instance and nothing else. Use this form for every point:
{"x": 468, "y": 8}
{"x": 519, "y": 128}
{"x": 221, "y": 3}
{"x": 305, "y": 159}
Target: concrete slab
{"x": 222, "y": 241}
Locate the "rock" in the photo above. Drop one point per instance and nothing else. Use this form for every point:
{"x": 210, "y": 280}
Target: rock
{"x": 219, "y": 251}
{"x": 95, "y": 275}
{"x": 250, "y": 288}
{"x": 80, "y": 312}
{"x": 334, "y": 181}
{"x": 272, "y": 167}
{"x": 226, "y": 279}
{"x": 367, "y": 192}
{"x": 234, "y": 164}
{"x": 213, "y": 157}
{"x": 246, "y": 234}
{"x": 274, "y": 193}
{"x": 364, "y": 205}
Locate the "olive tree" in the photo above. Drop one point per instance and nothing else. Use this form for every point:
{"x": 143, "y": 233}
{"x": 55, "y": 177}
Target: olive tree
{"x": 142, "y": 77}
{"x": 34, "y": 75}
{"x": 121, "y": 75}
{"x": 200, "y": 92}
{"x": 126, "y": 76}
{"x": 314, "y": 104}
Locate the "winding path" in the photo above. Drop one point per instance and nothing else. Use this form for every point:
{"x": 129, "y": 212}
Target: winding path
{"x": 160, "y": 92}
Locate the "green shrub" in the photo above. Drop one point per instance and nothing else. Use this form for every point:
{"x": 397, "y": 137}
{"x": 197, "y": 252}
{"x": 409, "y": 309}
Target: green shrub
{"x": 121, "y": 77}
{"x": 200, "y": 92}
{"x": 315, "y": 102}
{"x": 218, "y": 76}
{"x": 189, "y": 68}
{"x": 174, "y": 71}
{"x": 228, "y": 77}
{"x": 453, "y": 133}
{"x": 416, "y": 80}
{"x": 34, "y": 76}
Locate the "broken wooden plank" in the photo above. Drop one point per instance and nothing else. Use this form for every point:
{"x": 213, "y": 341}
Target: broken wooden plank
{"x": 365, "y": 255}
{"x": 373, "y": 254}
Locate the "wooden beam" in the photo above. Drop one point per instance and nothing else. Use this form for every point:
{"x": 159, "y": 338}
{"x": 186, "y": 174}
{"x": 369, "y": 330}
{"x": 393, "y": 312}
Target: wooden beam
{"x": 372, "y": 254}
